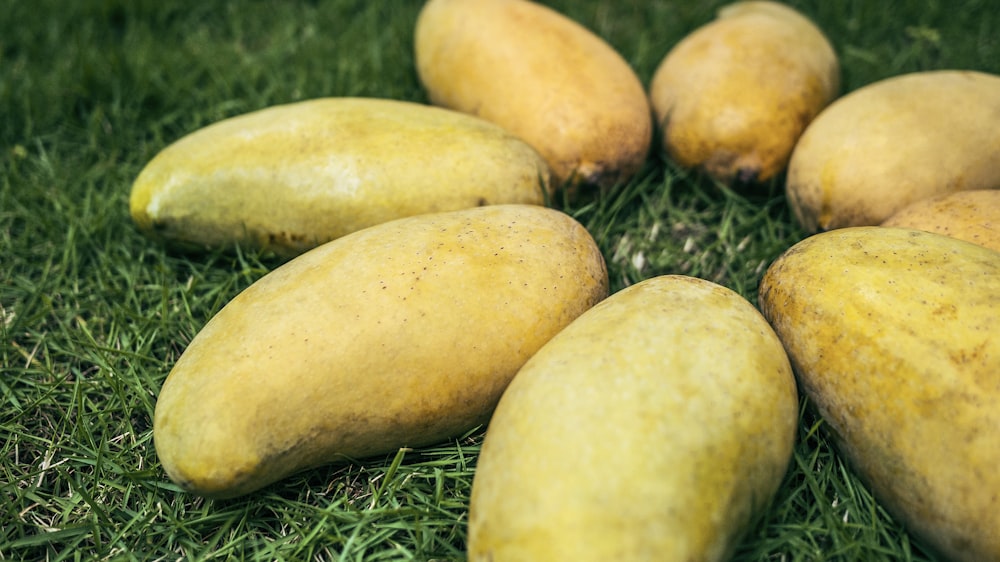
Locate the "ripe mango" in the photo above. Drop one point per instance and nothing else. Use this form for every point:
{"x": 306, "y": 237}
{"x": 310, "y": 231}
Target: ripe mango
{"x": 655, "y": 426}
{"x": 402, "y": 334}
{"x": 893, "y": 334}
{"x": 290, "y": 177}
{"x": 544, "y": 77}
{"x": 894, "y": 142}
{"x": 733, "y": 97}
{"x": 973, "y": 216}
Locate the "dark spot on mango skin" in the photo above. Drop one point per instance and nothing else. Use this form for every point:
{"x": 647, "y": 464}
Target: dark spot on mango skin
{"x": 285, "y": 238}
{"x": 747, "y": 176}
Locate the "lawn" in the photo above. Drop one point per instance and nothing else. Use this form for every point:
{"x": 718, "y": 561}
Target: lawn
{"x": 93, "y": 315}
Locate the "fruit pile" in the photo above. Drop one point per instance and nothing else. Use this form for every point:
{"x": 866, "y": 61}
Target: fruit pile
{"x": 430, "y": 288}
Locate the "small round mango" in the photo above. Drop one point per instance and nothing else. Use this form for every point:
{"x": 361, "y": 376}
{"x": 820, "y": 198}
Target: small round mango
{"x": 733, "y": 97}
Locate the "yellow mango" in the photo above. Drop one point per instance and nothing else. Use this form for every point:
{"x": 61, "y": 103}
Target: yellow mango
{"x": 544, "y": 77}
{"x": 290, "y": 177}
{"x": 894, "y": 142}
{"x": 655, "y": 426}
{"x": 733, "y": 97}
{"x": 893, "y": 334}
{"x": 973, "y": 216}
{"x": 399, "y": 335}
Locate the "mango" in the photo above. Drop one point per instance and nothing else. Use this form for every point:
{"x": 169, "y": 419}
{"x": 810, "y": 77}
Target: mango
{"x": 542, "y": 76}
{"x": 289, "y": 177}
{"x": 894, "y": 142}
{"x": 893, "y": 334}
{"x": 655, "y": 426}
{"x": 973, "y": 216}
{"x": 733, "y": 97}
{"x": 399, "y": 335}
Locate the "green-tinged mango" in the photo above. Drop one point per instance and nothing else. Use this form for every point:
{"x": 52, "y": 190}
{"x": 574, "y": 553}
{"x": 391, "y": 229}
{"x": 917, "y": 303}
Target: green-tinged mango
{"x": 290, "y": 177}
{"x": 894, "y": 142}
{"x": 544, "y": 77}
{"x": 894, "y": 335}
{"x": 656, "y": 426}
{"x": 399, "y": 335}
{"x": 733, "y": 97}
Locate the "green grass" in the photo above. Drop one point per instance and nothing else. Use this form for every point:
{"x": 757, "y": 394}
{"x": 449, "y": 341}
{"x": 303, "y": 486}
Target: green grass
{"x": 93, "y": 315}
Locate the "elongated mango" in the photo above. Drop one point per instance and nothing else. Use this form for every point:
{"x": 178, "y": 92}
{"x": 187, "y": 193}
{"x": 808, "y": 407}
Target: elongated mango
{"x": 655, "y": 426}
{"x": 894, "y": 335}
{"x": 290, "y": 177}
{"x": 733, "y": 97}
{"x": 399, "y": 335}
{"x": 894, "y": 142}
{"x": 544, "y": 77}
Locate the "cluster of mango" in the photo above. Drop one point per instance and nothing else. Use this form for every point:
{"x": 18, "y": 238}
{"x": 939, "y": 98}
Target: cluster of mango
{"x": 431, "y": 290}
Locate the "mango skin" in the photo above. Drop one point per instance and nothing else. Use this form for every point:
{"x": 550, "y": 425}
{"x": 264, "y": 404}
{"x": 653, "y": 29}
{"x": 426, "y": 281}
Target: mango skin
{"x": 733, "y": 97}
{"x": 399, "y": 335}
{"x": 973, "y": 216}
{"x": 544, "y": 77}
{"x": 893, "y": 336}
{"x": 654, "y": 427}
{"x": 290, "y": 177}
{"x": 894, "y": 142}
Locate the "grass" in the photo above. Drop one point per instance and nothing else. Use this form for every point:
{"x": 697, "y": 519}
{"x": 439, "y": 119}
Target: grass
{"x": 93, "y": 315}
